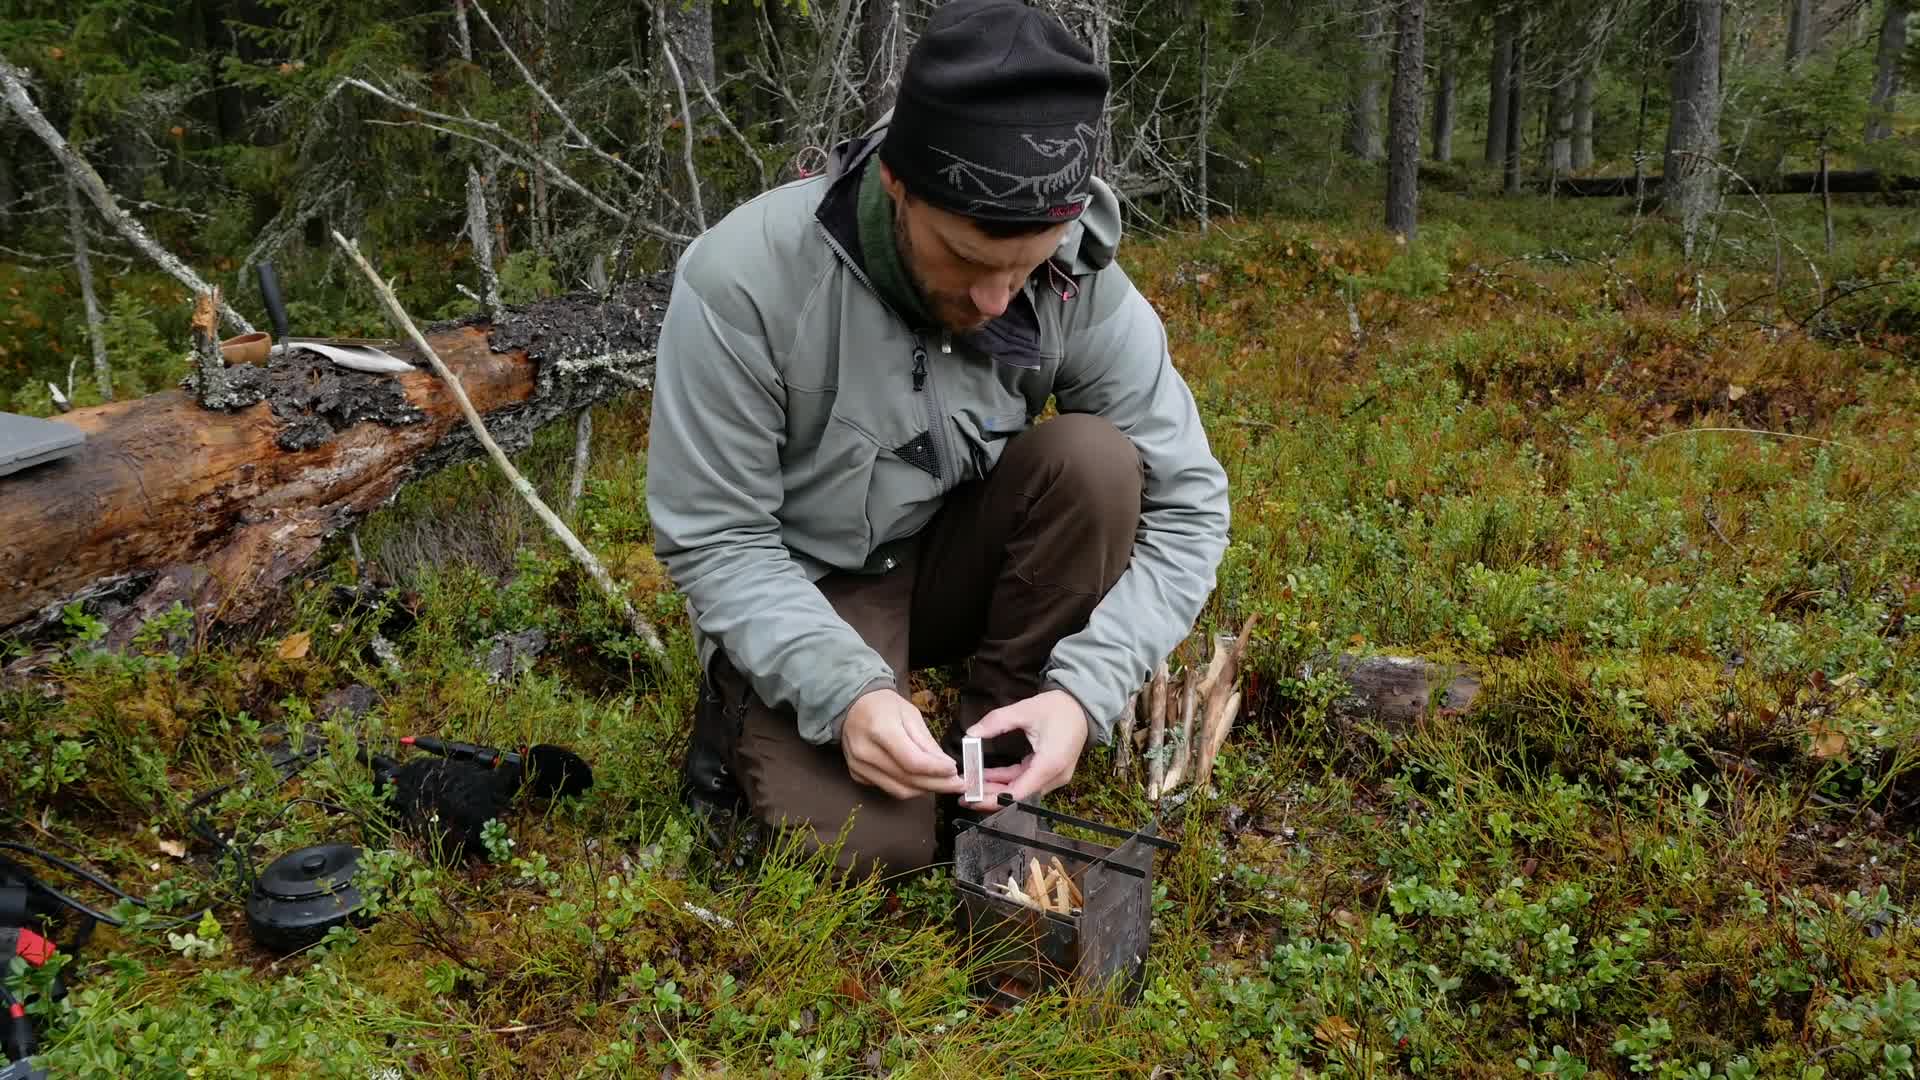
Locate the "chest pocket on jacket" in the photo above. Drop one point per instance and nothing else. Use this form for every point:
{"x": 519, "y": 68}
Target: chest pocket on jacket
{"x": 984, "y": 433}
{"x": 830, "y": 487}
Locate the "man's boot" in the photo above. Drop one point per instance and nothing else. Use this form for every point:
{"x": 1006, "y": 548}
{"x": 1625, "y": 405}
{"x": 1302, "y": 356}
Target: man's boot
{"x": 707, "y": 781}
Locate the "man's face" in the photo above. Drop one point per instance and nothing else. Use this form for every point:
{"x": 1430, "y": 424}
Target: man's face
{"x": 966, "y": 276}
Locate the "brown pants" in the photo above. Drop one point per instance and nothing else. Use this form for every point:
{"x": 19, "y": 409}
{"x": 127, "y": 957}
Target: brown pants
{"x": 1010, "y": 565}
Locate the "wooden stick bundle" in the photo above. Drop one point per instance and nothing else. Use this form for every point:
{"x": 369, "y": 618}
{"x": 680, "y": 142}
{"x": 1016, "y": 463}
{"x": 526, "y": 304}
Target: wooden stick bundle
{"x": 1208, "y": 704}
{"x": 1049, "y": 889}
{"x": 1156, "y": 730}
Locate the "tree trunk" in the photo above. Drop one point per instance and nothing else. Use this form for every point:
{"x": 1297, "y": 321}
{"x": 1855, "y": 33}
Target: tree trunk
{"x": 1693, "y": 131}
{"x": 1886, "y": 77}
{"x": 1826, "y": 193}
{"x": 1097, "y": 30}
{"x": 462, "y": 31}
{"x": 1403, "y": 117}
{"x": 1583, "y": 94}
{"x": 1505, "y": 29}
{"x": 83, "y": 268}
{"x": 1443, "y": 111}
{"x": 1206, "y": 118}
{"x": 690, "y": 31}
{"x": 883, "y": 42}
{"x": 1799, "y": 30}
{"x": 1516, "y": 116}
{"x": 1363, "y": 87}
{"x": 222, "y": 507}
{"x": 1560, "y": 121}
{"x": 1092, "y": 20}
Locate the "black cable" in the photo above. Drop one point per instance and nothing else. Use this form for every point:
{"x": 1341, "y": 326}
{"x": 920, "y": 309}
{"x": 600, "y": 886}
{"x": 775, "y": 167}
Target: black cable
{"x": 56, "y": 895}
{"x": 78, "y": 871}
{"x": 300, "y": 761}
{"x": 202, "y": 827}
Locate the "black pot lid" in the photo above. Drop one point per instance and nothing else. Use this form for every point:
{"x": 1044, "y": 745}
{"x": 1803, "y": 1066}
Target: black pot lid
{"x": 310, "y": 872}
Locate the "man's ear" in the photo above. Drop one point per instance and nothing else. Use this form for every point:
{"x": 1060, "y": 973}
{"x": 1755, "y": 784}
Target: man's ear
{"x": 896, "y": 190}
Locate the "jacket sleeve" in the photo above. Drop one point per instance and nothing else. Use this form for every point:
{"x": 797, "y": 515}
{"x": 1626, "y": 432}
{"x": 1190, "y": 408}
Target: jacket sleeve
{"x": 713, "y": 490}
{"x": 1118, "y": 366}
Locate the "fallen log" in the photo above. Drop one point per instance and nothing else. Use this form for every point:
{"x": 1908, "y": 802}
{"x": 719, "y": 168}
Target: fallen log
{"x": 1398, "y": 690}
{"x": 218, "y": 508}
{"x": 1840, "y": 182}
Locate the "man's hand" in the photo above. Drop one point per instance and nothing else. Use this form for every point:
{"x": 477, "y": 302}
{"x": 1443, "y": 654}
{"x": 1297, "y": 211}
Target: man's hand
{"x": 1056, "y": 728}
{"x": 888, "y": 746}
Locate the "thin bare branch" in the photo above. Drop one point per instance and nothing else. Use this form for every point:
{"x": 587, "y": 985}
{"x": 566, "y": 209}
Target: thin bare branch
{"x": 572, "y": 128}
{"x": 686, "y": 135}
{"x": 522, "y": 152}
{"x": 13, "y": 84}
{"x": 713, "y": 103}
{"x": 637, "y": 622}
{"x": 83, "y": 267}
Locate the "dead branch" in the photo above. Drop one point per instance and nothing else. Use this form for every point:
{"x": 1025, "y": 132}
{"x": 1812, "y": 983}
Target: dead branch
{"x": 582, "y": 444}
{"x": 686, "y": 134}
{"x": 13, "y": 85}
{"x": 572, "y": 128}
{"x": 638, "y": 622}
{"x": 83, "y": 267}
{"x": 480, "y": 235}
{"x": 713, "y": 104}
{"x": 523, "y": 154}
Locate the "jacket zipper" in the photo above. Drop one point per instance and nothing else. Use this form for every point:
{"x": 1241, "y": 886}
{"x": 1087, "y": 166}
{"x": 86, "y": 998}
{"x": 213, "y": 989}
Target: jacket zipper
{"x": 936, "y": 426}
{"x": 922, "y": 376}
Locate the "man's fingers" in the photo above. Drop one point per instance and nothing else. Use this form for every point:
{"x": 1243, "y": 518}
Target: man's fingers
{"x": 997, "y": 722}
{"x": 928, "y": 758}
{"x": 903, "y": 786}
{"x": 1006, "y": 774}
{"x": 1041, "y": 773}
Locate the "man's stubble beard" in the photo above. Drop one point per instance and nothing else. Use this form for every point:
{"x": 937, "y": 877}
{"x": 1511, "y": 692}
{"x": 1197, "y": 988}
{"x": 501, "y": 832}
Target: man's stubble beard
{"x": 943, "y": 313}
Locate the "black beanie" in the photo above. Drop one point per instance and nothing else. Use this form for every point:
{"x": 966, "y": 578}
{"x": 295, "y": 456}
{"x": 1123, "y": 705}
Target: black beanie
{"x": 997, "y": 114}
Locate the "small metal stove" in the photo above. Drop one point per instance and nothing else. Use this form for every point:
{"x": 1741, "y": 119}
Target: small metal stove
{"x": 1022, "y": 949}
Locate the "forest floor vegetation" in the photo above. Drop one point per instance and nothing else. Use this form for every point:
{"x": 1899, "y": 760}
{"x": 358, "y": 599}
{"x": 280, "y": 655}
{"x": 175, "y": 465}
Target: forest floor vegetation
{"x": 1668, "y": 514}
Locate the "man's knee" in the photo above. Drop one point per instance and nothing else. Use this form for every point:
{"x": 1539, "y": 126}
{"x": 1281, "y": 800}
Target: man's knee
{"x": 891, "y": 836}
{"x": 1096, "y": 467}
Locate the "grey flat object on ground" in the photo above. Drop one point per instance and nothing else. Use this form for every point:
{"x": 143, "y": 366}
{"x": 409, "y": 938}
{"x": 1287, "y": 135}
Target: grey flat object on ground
{"x": 26, "y": 441}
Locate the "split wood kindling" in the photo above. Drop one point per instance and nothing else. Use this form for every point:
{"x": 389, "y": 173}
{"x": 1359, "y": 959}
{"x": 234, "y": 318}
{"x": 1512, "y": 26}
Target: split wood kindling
{"x": 1184, "y": 718}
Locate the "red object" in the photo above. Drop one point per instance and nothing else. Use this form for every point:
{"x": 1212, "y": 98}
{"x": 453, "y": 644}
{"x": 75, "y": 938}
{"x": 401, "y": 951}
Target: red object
{"x": 18, "y": 1011}
{"x": 33, "y": 948}
{"x": 406, "y": 740}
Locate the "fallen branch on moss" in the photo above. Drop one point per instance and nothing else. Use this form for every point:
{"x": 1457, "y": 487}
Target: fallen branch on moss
{"x": 581, "y": 555}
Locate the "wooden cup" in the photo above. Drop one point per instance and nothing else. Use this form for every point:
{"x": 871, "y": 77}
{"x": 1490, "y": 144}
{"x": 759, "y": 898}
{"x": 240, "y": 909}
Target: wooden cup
{"x": 251, "y": 348}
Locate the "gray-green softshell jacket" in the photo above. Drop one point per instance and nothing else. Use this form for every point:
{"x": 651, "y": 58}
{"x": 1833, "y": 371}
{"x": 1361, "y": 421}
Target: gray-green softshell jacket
{"x": 784, "y": 381}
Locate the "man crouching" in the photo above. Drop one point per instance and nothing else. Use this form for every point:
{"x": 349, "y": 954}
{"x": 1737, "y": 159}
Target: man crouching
{"x": 849, "y": 477}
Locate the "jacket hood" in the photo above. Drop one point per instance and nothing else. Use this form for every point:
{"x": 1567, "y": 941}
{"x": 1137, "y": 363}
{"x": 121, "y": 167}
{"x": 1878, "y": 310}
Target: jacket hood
{"x": 1090, "y": 243}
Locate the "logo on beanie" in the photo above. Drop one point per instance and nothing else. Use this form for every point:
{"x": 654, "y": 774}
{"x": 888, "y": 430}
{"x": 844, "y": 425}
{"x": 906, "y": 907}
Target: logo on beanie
{"x": 1002, "y": 189}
